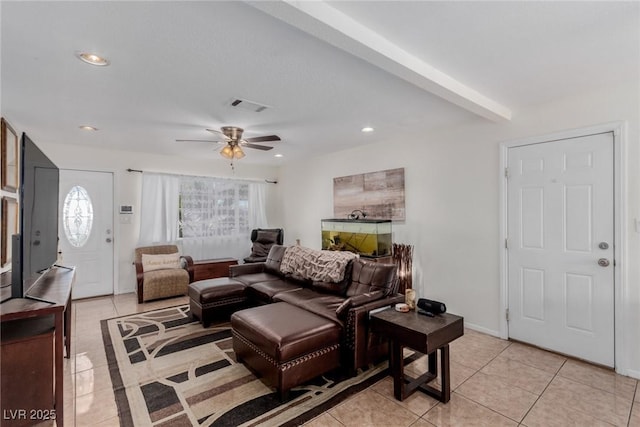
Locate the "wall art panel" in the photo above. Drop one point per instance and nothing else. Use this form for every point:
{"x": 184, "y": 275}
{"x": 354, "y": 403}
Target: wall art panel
{"x": 379, "y": 194}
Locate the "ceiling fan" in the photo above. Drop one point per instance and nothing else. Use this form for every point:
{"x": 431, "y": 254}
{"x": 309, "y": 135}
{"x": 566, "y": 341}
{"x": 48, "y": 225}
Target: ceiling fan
{"x": 234, "y": 142}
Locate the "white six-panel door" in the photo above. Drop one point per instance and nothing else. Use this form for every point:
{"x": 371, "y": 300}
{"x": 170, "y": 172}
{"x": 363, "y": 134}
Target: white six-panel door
{"x": 560, "y": 201}
{"x": 86, "y": 230}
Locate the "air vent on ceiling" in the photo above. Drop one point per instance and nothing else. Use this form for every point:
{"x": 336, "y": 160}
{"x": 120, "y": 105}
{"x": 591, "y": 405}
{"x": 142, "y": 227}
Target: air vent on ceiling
{"x": 243, "y": 104}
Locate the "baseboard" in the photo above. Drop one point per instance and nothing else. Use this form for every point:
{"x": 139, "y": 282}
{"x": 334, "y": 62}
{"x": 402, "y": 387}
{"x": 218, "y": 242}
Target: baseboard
{"x": 482, "y": 329}
{"x": 632, "y": 373}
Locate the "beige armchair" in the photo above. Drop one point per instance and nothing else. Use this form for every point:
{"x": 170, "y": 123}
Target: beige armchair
{"x": 161, "y": 272}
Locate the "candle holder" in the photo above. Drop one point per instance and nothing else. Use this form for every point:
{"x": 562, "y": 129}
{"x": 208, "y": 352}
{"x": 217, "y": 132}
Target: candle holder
{"x": 410, "y": 298}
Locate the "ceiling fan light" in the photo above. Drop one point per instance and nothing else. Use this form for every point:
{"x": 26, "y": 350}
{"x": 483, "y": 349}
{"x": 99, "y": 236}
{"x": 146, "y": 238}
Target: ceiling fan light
{"x": 237, "y": 152}
{"x": 227, "y": 152}
{"x": 92, "y": 58}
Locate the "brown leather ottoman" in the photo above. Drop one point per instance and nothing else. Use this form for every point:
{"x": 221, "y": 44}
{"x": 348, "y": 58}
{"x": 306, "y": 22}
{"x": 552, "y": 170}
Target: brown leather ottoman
{"x": 209, "y": 297}
{"x": 285, "y": 344}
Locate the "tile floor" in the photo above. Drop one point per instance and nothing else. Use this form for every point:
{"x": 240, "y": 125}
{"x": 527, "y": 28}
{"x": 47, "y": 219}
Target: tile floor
{"x": 494, "y": 383}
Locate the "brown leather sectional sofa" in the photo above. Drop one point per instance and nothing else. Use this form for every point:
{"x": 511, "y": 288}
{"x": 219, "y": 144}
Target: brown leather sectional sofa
{"x": 366, "y": 286}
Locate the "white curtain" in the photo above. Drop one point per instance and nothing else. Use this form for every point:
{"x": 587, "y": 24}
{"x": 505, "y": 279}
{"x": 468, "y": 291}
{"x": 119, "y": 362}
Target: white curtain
{"x": 257, "y": 205}
{"x": 159, "y": 209}
{"x": 201, "y": 248}
{"x": 206, "y": 217}
{"x": 218, "y": 215}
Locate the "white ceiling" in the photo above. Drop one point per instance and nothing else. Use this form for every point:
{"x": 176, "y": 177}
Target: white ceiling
{"x": 325, "y": 69}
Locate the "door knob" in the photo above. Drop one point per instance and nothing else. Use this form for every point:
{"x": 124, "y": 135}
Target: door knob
{"x": 603, "y": 262}
{"x": 108, "y": 240}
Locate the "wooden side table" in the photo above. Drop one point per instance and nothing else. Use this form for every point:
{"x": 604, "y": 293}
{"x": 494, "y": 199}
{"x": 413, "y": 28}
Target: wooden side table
{"x": 212, "y": 268}
{"x": 423, "y": 334}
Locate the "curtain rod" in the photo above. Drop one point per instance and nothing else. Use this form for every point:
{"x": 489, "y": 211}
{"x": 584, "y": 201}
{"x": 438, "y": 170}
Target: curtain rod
{"x": 237, "y": 179}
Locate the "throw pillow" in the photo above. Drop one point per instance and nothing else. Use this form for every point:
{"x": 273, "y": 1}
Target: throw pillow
{"x": 160, "y": 261}
{"x": 339, "y": 288}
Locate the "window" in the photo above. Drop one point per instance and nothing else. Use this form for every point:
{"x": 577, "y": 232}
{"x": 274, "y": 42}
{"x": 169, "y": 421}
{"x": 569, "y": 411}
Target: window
{"x": 213, "y": 208}
{"x": 77, "y": 216}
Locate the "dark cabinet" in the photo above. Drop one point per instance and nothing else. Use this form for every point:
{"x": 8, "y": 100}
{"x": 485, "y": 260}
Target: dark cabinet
{"x": 212, "y": 268}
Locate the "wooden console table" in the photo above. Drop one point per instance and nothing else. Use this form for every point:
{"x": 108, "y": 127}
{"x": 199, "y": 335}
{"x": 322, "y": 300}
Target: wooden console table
{"x": 28, "y": 323}
{"x": 426, "y": 335}
{"x": 212, "y": 268}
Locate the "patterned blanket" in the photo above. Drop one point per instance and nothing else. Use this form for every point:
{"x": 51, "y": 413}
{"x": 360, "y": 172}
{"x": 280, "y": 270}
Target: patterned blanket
{"x": 312, "y": 264}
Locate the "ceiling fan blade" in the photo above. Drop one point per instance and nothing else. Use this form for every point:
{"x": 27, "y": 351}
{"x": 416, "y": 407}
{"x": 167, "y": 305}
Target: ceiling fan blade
{"x": 219, "y": 133}
{"x": 263, "y": 138}
{"x": 256, "y": 146}
{"x": 201, "y": 140}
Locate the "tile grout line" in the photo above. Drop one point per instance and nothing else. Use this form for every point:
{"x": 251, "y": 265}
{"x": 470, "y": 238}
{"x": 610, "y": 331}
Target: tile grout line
{"x": 471, "y": 400}
{"x": 613, "y": 393}
{"x": 542, "y": 392}
{"x": 633, "y": 403}
{"x": 486, "y": 407}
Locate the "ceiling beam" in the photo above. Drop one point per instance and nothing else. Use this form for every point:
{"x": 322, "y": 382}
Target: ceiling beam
{"x": 332, "y": 26}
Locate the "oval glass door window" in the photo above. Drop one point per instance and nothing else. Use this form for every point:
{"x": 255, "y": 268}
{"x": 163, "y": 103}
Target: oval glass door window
{"x": 77, "y": 216}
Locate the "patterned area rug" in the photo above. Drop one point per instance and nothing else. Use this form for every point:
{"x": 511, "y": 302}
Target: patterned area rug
{"x": 167, "y": 370}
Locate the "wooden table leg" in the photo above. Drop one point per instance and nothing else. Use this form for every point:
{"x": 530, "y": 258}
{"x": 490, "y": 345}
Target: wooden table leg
{"x": 396, "y": 363}
{"x": 433, "y": 363}
{"x": 59, "y": 376}
{"x": 67, "y": 328}
{"x": 445, "y": 379}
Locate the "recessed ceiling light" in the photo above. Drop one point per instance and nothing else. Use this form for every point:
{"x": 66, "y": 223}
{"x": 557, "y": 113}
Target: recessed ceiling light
{"x": 367, "y": 129}
{"x": 93, "y": 59}
{"x": 278, "y": 155}
{"x": 86, "y": 127}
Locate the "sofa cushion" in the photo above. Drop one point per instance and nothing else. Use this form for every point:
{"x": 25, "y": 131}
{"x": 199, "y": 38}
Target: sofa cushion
{"x": 298, "y": 297}
{"x": 165, "y": 283}
{"x": 265, "y": 291}
{"x": 321, "y": 304}
{"x": 368, "y": 277}
{"x": 154, "y": 250}
{"x": 251, "y": 278}
{"x": 272, "y": 264}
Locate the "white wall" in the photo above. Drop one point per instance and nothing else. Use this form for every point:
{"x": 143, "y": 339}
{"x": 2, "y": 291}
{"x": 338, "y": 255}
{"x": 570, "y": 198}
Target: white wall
{"x": 127, "y": 189}
{"x": 452, "y": 203}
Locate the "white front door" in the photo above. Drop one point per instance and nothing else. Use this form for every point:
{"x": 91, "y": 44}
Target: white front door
{"x": 86, "y": 230}
{"x": 560, "y": 202}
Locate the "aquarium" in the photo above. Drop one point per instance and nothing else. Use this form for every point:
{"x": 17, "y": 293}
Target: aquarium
{"x": 367, "y": 237}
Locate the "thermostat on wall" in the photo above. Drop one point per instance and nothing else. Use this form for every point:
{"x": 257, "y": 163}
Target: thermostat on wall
{"x": 126, "y": 209}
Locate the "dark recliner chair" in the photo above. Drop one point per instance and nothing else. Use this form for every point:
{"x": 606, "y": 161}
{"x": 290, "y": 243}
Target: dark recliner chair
{"x": 263, "y": 239}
